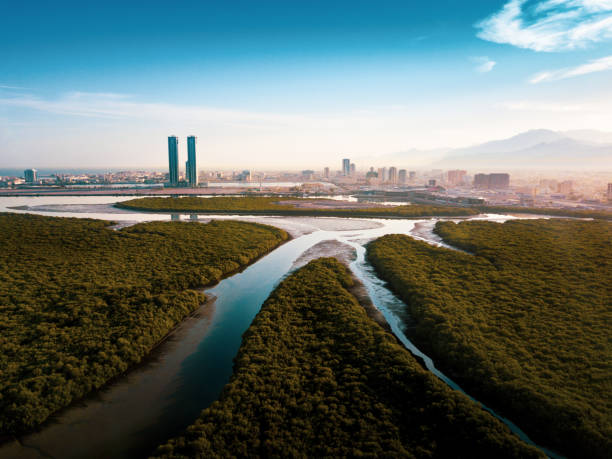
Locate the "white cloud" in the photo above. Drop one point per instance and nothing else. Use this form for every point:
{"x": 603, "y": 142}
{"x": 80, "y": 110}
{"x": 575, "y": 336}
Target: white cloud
{"x": 483, "y": 64}
{"x": 537, "y": 106}
{"x": 111, "y": 105}
{"x": 597, "y": 65}
{"x": 549, "y": 25}
{"x": 5, "y": 86}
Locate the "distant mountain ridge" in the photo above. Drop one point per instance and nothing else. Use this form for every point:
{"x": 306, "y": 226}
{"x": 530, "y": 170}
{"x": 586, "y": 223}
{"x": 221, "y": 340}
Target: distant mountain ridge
{"x": 535, "y": 149}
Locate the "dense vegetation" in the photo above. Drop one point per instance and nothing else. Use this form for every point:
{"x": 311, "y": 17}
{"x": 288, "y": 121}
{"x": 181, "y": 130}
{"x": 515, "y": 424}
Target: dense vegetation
{"x": 522, "y": 321}
{"x": 316, "y": 377}
{"x": 575, "y": 213}
{"x": 270, "y": 206}
{"x": 80, "y": 303}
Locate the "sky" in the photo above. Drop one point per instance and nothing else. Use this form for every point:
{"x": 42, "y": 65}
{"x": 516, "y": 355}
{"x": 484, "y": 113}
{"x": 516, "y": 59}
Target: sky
{"x": 282, "y": 84}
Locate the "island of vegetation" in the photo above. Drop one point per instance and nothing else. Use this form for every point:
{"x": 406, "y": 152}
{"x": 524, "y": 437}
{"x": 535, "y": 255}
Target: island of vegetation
{"x": 316, "y": 377}
{"x": 80, "y": 303}
{"x": 572, "y": 213}
{"x": 521, "y": 321}
{"x": 284, "y": 206}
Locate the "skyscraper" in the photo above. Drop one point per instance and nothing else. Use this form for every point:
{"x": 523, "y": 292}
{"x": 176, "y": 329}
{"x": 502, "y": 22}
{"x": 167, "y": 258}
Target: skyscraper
{"x": 173, "y": 176}
{"x": 326, "y": 172}
{"x": 382, "y": 174}
{"x": 30, "y": 175}
{"x": 346, "y": 167}
{"x": 393, "y": 174}
{"x": 192, "y": 169}
{"x": 402, "y": 176}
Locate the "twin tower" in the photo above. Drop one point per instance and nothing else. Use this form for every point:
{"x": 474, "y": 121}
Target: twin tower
{"x": 191, "y": 170}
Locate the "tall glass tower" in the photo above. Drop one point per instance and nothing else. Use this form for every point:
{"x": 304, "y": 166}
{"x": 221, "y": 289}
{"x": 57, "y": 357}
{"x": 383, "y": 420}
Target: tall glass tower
{"x": 192, "y": 169}
{"x": 173, "y": 176}
{"x": 346, "y": 167}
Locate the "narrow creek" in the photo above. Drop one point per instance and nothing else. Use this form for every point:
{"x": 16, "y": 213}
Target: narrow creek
{"x": 186, "y": 373}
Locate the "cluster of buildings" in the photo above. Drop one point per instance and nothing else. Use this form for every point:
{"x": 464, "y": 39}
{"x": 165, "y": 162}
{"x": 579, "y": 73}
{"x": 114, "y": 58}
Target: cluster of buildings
{"x": 393, "y": 176}
{"x": 451, "y": 186}
{"x": 34, "y": 179}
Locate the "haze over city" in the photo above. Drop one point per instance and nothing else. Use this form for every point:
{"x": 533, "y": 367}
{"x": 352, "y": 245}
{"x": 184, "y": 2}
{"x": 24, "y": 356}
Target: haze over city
{"x": 298, "y": 85}
{"x": 305, "y": 229}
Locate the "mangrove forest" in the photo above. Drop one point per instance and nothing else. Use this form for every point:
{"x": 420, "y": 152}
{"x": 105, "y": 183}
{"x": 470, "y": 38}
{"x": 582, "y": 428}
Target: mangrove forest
{"x": 520, "y": 317}
{"x": 80, "y": 303}
{"x": 316, "y": 377}
{"x": 255, "y": 205}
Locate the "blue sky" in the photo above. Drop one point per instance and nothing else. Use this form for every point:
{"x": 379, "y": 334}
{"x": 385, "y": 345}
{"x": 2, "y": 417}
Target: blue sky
{"x": 293, "y": 83}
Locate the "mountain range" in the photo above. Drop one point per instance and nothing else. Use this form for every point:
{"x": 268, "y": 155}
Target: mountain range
{"x": 536, "y": 149}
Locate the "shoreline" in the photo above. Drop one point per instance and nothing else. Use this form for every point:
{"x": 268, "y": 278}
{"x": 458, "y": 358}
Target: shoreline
{"x": 359, "y": 291}
{"x": 349, "y": 213}
{"x": 206, "y": 309}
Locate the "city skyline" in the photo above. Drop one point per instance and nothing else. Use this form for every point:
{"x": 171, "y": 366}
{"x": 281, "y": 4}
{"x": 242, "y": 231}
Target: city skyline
{"x": 291, "y": 86}
{"x": 323, "y": 228}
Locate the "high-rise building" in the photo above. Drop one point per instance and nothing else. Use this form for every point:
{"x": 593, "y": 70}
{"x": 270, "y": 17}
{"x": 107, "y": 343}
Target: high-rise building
{"x": 382, "y": 174}
{"x": 353, "y": 169}
{"x": 402, "y": 177}
{"x": 326, "y": 172}
{"x": 30, "y": 175}
{"x": 455, "y": 177}
{"x": 393, "y": 175}
{"x": 491, "y": 181}
{"x": 481, "y": 181}
{"x": 566, "y": 187}
{"x": 499, "y": 180}
{"x": 173, "y": 176}
{"x": 609, "y": 191}
{"x": 411, "y": 175}
{"x": 192, "y": 168}
{"x": 431, "y": 182}
{"x": 346, "y": 167}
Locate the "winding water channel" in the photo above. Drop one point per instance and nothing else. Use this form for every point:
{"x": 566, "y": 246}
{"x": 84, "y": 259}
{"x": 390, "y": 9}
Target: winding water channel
{"x": 186, "y": 373}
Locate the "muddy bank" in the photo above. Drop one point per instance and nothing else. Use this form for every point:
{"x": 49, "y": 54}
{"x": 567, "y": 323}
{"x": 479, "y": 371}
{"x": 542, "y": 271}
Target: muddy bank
{"x": 330, "y": 248}
{"x": 74, "y": 208}
{"x": 117, "y": 406}
{"x": 359, "y": 291}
